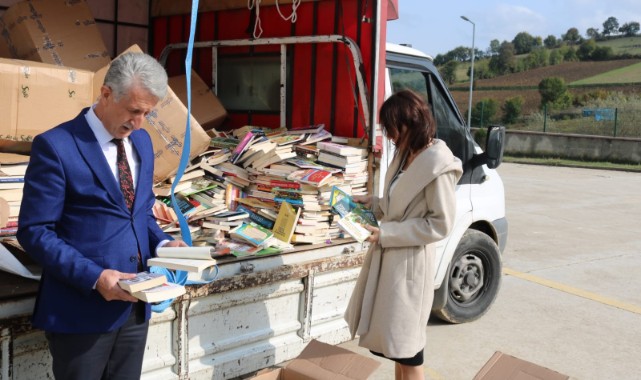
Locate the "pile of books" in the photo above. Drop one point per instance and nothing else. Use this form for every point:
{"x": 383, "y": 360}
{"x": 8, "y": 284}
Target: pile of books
{"x": 12, "y": 170}
{"x": 262, "y": 190}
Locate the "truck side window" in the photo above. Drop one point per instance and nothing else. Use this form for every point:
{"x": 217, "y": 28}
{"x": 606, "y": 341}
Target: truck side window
{"x": 449, "y": 127}
{"x": 409, "y": 80}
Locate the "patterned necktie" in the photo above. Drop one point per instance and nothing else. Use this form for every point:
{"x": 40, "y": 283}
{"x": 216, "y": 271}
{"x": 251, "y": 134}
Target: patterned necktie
{"x": 124, "y": 174}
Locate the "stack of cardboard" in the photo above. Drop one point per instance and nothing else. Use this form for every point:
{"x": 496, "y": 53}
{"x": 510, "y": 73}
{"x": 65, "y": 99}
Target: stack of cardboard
{"x": 62, "y": 65}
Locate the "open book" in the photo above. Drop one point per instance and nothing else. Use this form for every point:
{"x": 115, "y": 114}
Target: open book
{"x": 352, "y": 215}
{"x": 190, "y": 259}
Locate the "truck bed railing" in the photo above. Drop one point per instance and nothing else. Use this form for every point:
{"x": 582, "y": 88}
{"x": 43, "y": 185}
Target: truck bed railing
{"x": 357, "y": 61}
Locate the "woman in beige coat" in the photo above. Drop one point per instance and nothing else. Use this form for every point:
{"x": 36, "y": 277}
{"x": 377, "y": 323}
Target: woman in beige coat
{"x": 391, "y": 302}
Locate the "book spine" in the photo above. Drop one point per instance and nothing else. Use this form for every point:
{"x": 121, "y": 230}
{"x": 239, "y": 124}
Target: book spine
{"x": 284, "y": 184}
{"x": 11, "y": 179}
{"x": 297, "y": 202}
{"x": 241, "y": 147}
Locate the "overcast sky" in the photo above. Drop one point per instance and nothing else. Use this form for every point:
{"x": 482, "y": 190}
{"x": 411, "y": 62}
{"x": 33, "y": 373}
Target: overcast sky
{"x": 435, "y": 27}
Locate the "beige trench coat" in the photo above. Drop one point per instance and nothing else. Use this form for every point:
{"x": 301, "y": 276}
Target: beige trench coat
{"x": 392, "y": 299}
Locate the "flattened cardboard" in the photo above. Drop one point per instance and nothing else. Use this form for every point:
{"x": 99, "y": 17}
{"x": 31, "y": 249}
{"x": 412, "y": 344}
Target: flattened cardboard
{"x": 506, "y": 367}
{"x": 58, "y": 32}
{"x": 36, "y": 97}
{"x": 205, "y": 106}
{"x": 39, "y": 96}
{"x": 321, "y": 361}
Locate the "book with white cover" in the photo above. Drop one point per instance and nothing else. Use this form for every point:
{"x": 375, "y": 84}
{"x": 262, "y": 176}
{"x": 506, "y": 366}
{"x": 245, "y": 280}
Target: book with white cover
{"x": 190, "y": 259}
{"x": 160, "y": 293}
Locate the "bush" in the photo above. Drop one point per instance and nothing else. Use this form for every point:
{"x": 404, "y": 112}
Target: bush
{"x": 554, "y": 93}
{"x": 484, "y": 112}
{"x": 512, "y": 109}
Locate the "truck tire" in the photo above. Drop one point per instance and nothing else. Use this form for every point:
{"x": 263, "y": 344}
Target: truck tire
{"x": 472, "y": 281}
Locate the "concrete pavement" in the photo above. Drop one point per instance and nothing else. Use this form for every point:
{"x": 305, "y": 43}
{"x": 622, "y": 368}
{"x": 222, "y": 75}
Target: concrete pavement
{"x": 570, "y": 299}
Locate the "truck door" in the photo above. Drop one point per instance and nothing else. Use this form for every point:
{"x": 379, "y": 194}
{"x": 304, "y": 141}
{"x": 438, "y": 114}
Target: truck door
{"x": 404, "y": 73}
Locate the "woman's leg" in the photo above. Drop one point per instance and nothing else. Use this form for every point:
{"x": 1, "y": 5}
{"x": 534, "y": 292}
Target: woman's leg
{"x": 408, "y": 372}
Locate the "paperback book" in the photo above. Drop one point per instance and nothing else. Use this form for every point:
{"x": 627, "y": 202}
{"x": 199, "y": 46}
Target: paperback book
{"x": 251, "y": 233}
{"x": 286, "y": 222}
{"x": 353, "y": 216}
{"x": 142, "y": 281}
{"x": 162, "y": 292}
{"x": 190, "y": 259}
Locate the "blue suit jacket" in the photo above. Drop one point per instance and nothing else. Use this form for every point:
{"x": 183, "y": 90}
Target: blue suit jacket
{"x": 75, "y": 223}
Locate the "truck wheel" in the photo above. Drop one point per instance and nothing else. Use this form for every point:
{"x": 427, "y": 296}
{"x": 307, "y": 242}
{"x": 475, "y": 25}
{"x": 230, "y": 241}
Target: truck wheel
{"x": 472, "y": 281}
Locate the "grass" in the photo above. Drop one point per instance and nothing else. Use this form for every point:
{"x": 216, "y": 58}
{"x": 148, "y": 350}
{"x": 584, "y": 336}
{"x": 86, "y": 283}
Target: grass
{"x": 623, "y": 45}
{"x": 573, "y": 163}
{"x": 629, "y": 74}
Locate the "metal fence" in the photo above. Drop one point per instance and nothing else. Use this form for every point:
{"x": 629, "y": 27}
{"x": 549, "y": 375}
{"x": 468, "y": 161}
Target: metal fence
{"x": 623, "y": 121}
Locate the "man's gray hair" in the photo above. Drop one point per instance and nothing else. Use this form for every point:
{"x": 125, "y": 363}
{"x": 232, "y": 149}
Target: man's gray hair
{"x": 140, "y": 69}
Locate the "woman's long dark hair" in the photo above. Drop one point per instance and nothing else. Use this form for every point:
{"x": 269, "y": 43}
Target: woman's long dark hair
{"x": 408, "y": 120}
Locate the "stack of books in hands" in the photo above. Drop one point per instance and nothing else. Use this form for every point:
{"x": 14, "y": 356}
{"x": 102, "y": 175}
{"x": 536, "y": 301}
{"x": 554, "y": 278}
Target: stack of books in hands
{"x": 151, "y": 287}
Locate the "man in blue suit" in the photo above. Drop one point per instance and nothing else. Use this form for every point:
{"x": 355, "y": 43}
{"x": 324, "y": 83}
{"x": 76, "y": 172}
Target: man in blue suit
{"x": 86, "y": 218}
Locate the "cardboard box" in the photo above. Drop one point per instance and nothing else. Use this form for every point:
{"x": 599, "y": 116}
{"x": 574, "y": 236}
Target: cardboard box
{"x": 166, "y": 125}
{"x": 205, "y": 106}
{"x": 505, "y": 367}
{"x": 321, "y": 361}
{"x": 58, "y": 32}
{"x": 36, "y": 97}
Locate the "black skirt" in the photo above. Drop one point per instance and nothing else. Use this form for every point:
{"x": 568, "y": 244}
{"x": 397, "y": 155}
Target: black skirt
{"x": 416, "y": 361}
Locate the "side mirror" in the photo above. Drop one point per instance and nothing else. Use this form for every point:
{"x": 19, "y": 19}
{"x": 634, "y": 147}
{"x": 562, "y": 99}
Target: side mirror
{"x": 494, "y": 146}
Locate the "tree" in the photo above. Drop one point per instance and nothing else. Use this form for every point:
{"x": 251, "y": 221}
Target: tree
{"x": 550, "y": 42}
{"x": 484, "y": 112}
{"x": 602, "y": 53}
{"x": 504, "y": 62}
{"x": 523, "y": 43}
{"x": 585, "y": 50}
{"x": 610, "y": 26}
{"x": 495, "y": 45}
{"x": 593, "y": 33}
{"x": 448, "y": 71}
{"x": 572, "y": 36}
{"x": 554, "y": 93}
{"x": 556, "y": 57}
{"x": 569, "y": 54}
{"x": 629, "y": 29}
{"x": 512, "y": 109}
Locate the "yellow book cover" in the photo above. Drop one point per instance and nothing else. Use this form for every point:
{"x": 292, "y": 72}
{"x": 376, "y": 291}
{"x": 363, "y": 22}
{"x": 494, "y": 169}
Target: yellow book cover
{"x": 286, "y": 222}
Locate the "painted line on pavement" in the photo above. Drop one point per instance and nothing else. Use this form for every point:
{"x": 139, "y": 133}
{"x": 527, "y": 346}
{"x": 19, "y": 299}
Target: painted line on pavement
{"x": 433, "y": 375}
{"x": 575, "y": 291}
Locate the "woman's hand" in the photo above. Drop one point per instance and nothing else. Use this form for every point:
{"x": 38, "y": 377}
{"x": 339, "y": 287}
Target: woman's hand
{"x": 365, "y": 200}
{"x": 376, "y": 233}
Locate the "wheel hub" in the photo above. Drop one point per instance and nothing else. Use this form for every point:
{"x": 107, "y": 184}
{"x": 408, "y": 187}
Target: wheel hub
{"x": 467, "y": 278}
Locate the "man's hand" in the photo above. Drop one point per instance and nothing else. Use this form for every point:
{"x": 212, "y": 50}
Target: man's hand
{"x": 176, "y": 243}
{"x": 108, "y": 287}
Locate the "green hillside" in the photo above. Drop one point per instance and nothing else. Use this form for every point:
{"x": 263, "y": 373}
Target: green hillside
{"x": 628, "y": 74}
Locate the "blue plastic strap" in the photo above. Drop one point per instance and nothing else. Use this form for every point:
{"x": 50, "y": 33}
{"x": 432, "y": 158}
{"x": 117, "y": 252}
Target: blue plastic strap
{"x": 180, "y": 277}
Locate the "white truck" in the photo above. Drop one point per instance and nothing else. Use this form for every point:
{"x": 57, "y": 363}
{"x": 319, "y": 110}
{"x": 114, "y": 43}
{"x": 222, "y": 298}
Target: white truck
{"x": 263, "y": 311}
